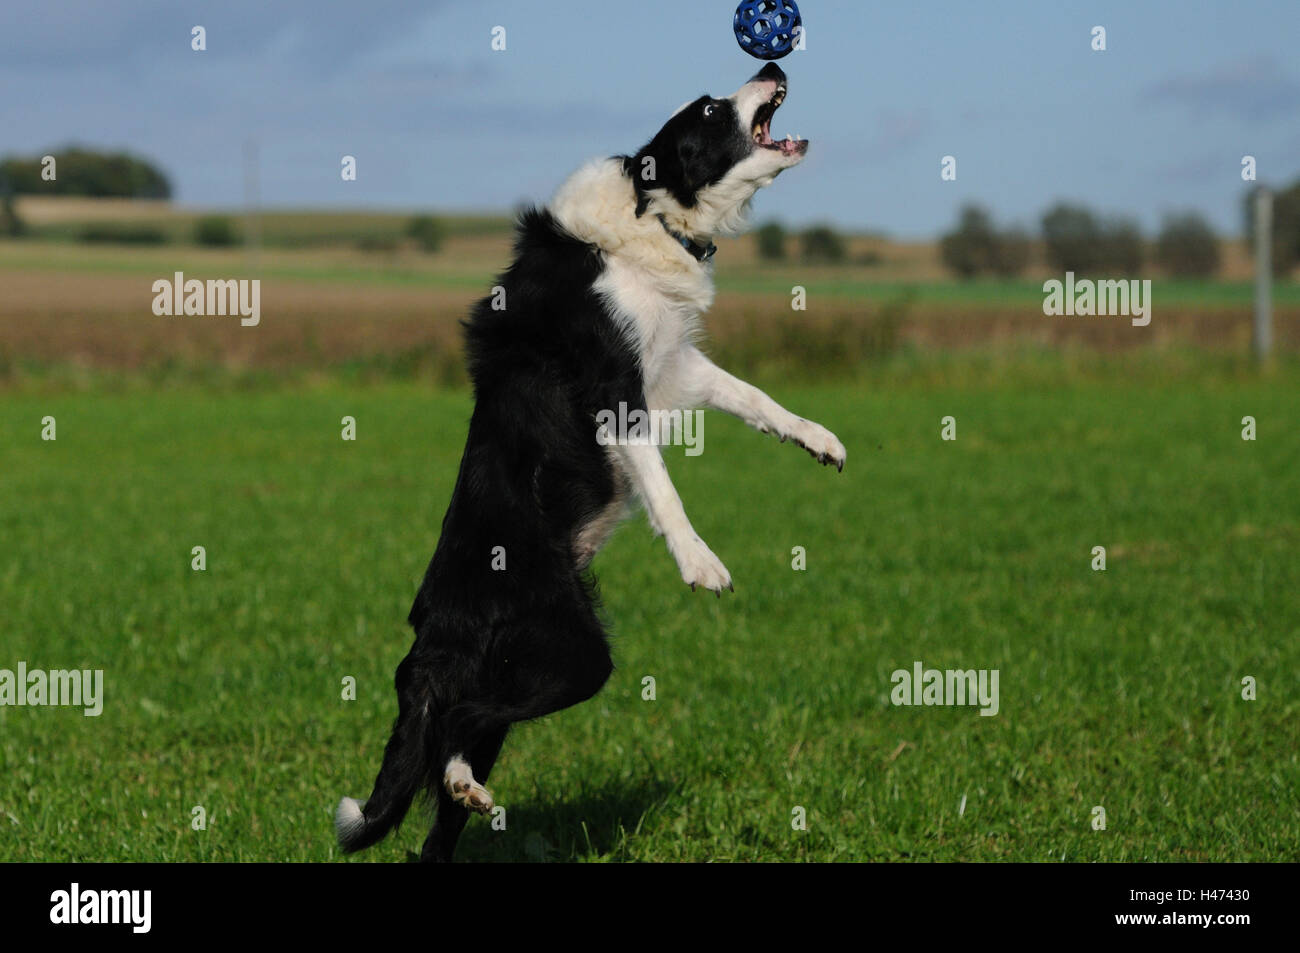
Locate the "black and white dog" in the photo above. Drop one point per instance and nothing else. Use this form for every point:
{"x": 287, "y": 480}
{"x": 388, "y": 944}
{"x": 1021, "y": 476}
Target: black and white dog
{"x": 602, "y": 306}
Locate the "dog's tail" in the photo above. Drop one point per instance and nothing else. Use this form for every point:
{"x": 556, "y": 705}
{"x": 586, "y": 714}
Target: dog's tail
{"x": 404, "y": 773}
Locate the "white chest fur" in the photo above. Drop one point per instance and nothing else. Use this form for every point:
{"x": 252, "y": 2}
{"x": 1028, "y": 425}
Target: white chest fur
{"x": 661, "y": 317}
{"x": 654, "y": 288}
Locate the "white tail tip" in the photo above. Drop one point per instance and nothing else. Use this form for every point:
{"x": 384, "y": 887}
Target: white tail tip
{"x": 349, "y": 822}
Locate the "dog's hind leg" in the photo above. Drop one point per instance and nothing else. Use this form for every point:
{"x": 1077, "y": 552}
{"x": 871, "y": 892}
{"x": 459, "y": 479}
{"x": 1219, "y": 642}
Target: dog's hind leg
{"x": 451, "y": 816}
{"x": 552, "y": 667}
{"x": 404, "y": 771}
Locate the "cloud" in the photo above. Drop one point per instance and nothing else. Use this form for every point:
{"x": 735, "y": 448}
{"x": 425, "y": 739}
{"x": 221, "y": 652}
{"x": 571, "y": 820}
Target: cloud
{"x": 1253, "y": 88}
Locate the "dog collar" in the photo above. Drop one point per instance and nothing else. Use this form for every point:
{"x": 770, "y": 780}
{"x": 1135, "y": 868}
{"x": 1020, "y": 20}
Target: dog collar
{"x": 700, "y": 253}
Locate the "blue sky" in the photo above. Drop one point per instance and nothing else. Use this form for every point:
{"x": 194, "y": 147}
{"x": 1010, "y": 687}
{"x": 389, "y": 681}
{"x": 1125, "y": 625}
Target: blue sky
{"x": 437, "y": 119}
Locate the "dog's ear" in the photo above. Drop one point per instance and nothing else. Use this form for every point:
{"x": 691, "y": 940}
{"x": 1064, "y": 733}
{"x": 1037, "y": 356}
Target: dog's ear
{"x": 689, "y": 164}
{"x": 658, "y": 165}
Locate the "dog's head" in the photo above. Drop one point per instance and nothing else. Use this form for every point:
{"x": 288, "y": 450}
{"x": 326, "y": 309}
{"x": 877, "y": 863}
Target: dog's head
{"x": 701, "y": 170}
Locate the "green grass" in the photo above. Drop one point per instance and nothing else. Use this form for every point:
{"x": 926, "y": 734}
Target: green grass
{"x": 986, "y": 292}
{"x": 429, "y": 271}
{"x": 437, "y": 270}
{"x": 1119, "y": 689}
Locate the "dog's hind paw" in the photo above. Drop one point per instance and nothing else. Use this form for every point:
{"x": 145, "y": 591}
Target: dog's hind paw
{"x": 459, "y": 781}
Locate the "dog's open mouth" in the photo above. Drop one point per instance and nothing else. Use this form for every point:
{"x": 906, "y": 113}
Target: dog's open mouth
{"x": 762, "y": 132}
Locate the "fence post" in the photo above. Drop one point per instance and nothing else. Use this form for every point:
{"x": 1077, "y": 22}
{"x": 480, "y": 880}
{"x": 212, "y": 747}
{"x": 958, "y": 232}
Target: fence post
{"x": 1262, "y": 338}
{"x": 252, "y": 207}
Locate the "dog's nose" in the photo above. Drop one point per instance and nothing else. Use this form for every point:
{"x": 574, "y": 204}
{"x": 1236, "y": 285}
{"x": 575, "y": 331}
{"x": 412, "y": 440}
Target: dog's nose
{"x": 770, "y": 72}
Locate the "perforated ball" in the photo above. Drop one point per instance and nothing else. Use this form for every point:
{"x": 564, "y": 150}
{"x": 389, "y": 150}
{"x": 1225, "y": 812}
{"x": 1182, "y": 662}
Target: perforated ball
{"x": 768, "y": 29}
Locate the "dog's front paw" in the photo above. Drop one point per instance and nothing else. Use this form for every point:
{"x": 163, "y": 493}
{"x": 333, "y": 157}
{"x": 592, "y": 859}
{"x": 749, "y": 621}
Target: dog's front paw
{"x": 700, "y": 567}
{"x": 824, "y": 446}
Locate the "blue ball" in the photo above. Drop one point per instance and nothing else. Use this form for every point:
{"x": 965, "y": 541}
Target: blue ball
{"x": 767, "y": 29}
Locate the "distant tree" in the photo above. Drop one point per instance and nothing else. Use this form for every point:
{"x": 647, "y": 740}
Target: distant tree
{"x": 10, "y": 221}
{"x": 968, "y": 249}
{"x": 976, "y": 247}
{"x": 1073, "y": 238}
{"x": 88, "y": 172}
{"x": 427, "y": 232}
{"x": 821, "y": 243}
{"x": 1012, "y": 252}
{"x": 1286, "y": 227}
{"x": 1121, "y": 246}
{"x": 217, "y": 230}
{"x": 1187, "y": 246}
{"x": 771, "y": 241}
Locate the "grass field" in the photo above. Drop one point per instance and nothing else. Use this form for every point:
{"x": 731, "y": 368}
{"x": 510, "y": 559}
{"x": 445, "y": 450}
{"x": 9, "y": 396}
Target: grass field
{"x": 72, "y": 309}
{"x": 472, "y": 261}
{"x": 64, "y": 218}
{"x": 1119, "y": 689}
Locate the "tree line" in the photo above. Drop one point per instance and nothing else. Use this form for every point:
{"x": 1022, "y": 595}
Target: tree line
{"x": 78, "y": 171}
{"x": 1075, "y": 238}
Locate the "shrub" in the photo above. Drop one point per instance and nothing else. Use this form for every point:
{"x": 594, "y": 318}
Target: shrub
{"x": 771, "y": 241}
{"x": 969, "y": 248}
{"x": 821, "y": 243}
{"x": 427, "y": 232}
{"x": 1012, "y": 252}
{"x": 1187, "y": 247}
{"x": 215, "y": 230}
{"x": 10, "y": 221}
{"x": 1121, "y": 246}
{"x": 1076, "y": 241}
{"x": 1073, "y": 238}
{"x": 975, "y": 247}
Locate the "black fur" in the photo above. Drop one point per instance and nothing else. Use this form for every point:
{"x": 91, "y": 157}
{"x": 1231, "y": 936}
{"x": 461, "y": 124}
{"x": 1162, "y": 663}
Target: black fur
{"x": 495, "y": 647}
{"x": 694, "y": 149}
{"x": 691, "y": 151}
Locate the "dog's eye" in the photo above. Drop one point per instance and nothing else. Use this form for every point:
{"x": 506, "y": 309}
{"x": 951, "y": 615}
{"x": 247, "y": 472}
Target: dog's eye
{"x": 709, "y": 110}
